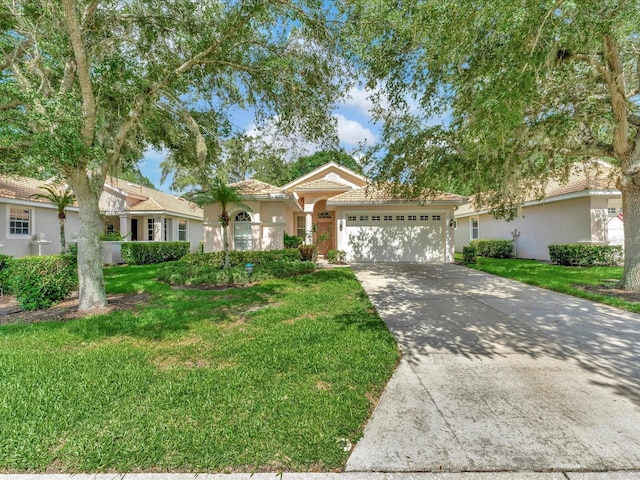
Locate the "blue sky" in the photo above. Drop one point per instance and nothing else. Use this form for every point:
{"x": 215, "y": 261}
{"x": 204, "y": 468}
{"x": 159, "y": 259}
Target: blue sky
{"x": 354, "y": 127}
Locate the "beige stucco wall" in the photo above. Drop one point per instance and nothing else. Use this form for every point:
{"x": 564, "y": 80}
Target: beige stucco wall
{"x": 44, "y": 220}
{"x": 566, "y": 221}
{"x": 268, "y": 225}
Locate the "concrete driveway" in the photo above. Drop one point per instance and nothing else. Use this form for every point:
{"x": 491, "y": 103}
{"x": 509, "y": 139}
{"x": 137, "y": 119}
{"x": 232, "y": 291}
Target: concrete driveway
{"x": 500, "y": 376}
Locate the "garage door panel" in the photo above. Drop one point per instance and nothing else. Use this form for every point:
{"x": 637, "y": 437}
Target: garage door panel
{"x": 396, "y": 243}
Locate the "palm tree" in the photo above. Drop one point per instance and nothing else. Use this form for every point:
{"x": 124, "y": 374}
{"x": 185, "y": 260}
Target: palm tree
{"x": 224, "y": 196}
{"x": 61, "y": 198}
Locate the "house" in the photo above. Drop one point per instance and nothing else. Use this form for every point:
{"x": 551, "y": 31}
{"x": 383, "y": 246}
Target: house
{"x": 585, "y": 207}
{"x": 336, "y": 208}
{"x": 29, "y": 225}
{"x": 140, "y": 213}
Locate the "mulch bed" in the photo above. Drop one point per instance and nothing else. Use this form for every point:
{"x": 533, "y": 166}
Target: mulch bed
{"x": 611, "y": 291}
{"x": 10, "y": 311}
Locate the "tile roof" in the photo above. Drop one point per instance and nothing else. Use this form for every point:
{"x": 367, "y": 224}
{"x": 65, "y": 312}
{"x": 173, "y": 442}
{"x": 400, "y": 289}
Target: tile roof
{"x": 248, "y": 188}
{"x": 372, "y": 194}
{"x": 322, "y": 184}
{"x": 154, "y": 200}
{"x": 22, "y": 188}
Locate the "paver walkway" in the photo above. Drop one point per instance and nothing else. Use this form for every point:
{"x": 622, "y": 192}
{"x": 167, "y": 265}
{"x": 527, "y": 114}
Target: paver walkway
{"x": 500, "y": 376}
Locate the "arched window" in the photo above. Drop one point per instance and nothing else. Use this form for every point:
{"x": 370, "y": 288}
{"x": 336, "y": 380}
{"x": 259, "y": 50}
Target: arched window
{"x": 324, "y": 215}
{"x": 242, "y": 239}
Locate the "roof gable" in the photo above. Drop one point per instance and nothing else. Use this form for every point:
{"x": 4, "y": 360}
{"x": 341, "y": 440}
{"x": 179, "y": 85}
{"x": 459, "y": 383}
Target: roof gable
{"x": 331, "y": 172}
{"x": 375, "y": 195}
{"x": 19, "y": 188}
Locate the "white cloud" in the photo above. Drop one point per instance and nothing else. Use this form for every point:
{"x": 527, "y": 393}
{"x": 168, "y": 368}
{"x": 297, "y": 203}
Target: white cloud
{"x": 353, "y": 133}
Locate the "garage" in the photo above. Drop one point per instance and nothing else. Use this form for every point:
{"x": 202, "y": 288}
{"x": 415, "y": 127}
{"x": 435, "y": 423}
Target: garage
{"x": 395, "y": 236}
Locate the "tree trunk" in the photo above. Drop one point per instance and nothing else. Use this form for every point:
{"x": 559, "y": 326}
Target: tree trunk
{"x": 90, "y": 274}
{"x": 63, "y": 242}
{"x": 225, "y": 235}
{"x": 631, "y": 212}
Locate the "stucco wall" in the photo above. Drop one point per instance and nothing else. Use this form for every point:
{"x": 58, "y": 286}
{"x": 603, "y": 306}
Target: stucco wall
{"x": 566, "y": 221}
{"x": 43, "y": 220}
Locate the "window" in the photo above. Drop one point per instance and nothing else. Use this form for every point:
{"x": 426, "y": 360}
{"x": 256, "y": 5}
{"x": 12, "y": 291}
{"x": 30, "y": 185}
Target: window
{"x": 475, "y": 229}
{"x": 182, "y": 230}
{"x": 19, "y": 221}
{"x": 242, "y": 232}
{"x": 412, "y": 218}
{"x": 388, "y": 218}
{"x": 110, "y": 229}
{"x": 364, "y": 218}
{"x": 151, "y": 226}
{"x": 400, "y": 218}
{"x": 612, "y": 210}
{"x": 352, "y": 218}
{"x": 436, "y": 217}
{"x": 375, "y": 218}
{"x": 324, "y": 215}
{"x": 301, "y": 230}
{"x": 424, "y": 218}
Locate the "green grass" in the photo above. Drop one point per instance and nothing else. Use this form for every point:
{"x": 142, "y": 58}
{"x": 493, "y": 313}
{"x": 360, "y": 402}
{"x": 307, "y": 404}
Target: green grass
{"x": 271, "y": 377}
{"x": 558, "y": 278}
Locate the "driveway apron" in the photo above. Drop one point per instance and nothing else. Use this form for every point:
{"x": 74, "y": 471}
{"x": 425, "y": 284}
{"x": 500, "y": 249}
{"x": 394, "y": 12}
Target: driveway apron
{"x": 497, "y": 375}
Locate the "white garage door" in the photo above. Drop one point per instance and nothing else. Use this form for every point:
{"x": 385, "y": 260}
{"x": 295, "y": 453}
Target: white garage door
{"x": 395, "y": 237}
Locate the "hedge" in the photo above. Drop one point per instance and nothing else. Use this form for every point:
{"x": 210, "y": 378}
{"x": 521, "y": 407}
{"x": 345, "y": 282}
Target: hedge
{"x": 241, "y": 257}
{"x": 493, "y": 248}
{"x": 586, "y": 255}
{"x": 292, "y": 241}
{"x": 469, "y": 255}
{"x": 180, "y": 273}
{"x": 5, "y": 264}
{"x": 39, "y": 282}
{"x": 144, "y": 253}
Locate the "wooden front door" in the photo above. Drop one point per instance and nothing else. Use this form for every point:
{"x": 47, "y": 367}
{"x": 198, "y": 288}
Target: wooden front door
{"x": 324, "y": 234}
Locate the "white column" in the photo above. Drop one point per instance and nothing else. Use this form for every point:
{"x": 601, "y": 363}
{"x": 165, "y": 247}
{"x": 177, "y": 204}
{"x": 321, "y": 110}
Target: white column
{"x": 124, "y": 227}
{"x": 157, "y": 228}
{"x": 308, "y": 226}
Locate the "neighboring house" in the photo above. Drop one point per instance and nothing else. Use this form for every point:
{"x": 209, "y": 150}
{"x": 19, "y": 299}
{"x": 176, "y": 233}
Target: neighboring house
{"x": 140, "y": 213}
{"x": 28, "y": 225}
{"x": 585, "y": 208}
{"x": 135, "y": 212}
{"x": 336, "y": 208}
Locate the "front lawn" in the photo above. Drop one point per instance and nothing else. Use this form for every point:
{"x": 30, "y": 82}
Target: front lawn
{"x": 278, "y": 376}
{"x": 576, "y": 281}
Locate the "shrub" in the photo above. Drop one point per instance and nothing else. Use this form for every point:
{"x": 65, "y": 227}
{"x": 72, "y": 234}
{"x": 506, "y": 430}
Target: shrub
{"x": 292, "y": 241}
{"x": 5, "y": 267}
{"x": 308, "y": 253}
{"x": 111, "y": 237}
{"x": 493, "y": 248}
{"x": 469, "y": 255}
{"x": 241, "y": 257}
{"x": 39, "y": 282}
{"x": 144, "y": 253}
{"x": 586, "y": 255}
{"x": 336, "y": 256}
{"x": 180, "y": 273}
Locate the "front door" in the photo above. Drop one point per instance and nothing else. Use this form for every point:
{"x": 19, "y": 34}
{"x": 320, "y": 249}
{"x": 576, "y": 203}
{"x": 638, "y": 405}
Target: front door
{"x": 325, "y": 236}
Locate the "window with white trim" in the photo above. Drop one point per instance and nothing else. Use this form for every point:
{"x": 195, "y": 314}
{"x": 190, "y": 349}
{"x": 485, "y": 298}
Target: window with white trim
{"x": 436, "y": 217}
{"x": 424, "y": 218}
{"x": 352, "y": 218}
{"x": 301, "y": 227}
{"x": 400, "y": 218}
{"x": 364, "y": 218}
{"x": 151, "y": 227}
{"x": 242, "y": 239}
{"x": 375, "y": 218}
{"x": 20, "y": 221}
{"x": 412, "y": 218}
{"x": 182, "y": 230}
{"x": 475, "y": 228}
{"x": 388, "y": 218}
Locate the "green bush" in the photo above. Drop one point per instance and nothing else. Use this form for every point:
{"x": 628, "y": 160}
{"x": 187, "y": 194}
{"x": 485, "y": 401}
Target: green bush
{"x": 308, "y": 253}
{"x": 493, "y": 248}
{"x": 5, "y": 267}
{"x": 144, "y": 253}
{"x": 180, "y": 273}
{"x": 469, "y": 255}
{"x": 39, "y": 282}
{"x": 336, "y": 256}
{"x": 241, "y": 257}
{"x": 291, "y": 241}
{"x": 111, "y": 236}
{"x": 586, "y": 255}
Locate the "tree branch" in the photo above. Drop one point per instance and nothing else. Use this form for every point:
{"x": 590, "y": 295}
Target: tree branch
{"x": 82, "y": 68}
{"x": 17, "y": 52}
